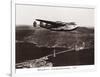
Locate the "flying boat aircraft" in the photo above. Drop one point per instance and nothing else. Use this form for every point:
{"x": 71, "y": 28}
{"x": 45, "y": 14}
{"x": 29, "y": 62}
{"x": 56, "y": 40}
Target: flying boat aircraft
{"x": 57, "y": 25}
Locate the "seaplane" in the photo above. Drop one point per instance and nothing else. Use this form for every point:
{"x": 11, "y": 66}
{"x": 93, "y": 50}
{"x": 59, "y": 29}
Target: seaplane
{"x": 57, "y": 25}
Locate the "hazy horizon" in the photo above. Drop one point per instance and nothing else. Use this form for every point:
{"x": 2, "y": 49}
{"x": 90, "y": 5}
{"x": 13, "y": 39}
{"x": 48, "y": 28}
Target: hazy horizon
{"x": 26, "y": 14}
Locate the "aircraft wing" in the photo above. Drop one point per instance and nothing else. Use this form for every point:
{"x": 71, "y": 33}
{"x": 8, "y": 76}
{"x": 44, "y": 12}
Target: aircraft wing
{"x": 56, "y": 24}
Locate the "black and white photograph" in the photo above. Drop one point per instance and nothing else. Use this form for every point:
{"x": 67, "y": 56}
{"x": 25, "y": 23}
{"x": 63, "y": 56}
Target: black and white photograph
{"x": 53, "y": 36}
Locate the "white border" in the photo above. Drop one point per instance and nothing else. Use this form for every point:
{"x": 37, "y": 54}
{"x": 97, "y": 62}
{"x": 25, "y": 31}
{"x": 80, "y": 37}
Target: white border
{"x": 34, "y": 71}
{"x": 13, "y": 39}
{"x": 30, "y": 2}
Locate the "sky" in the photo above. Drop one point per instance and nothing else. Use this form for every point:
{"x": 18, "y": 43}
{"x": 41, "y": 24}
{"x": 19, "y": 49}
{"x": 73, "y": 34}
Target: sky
{"x": 26, "y": 14}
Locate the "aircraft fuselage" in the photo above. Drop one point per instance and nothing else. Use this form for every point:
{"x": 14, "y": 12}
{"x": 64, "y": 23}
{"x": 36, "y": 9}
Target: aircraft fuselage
{"x": 58, "y": 25}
